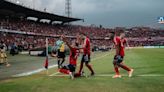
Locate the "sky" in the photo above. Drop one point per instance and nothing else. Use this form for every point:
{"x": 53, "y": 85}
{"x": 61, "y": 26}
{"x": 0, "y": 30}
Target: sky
{"x": 108, "y": 13}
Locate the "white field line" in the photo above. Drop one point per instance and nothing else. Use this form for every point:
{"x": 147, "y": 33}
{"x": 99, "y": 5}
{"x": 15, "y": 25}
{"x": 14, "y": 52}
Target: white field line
{"x": 79, "y": 64}
{"x": 110, "y": 75}
{"x": 142, "y": 75}
{"x": 33, "y": 72}
{"x": 54, "y": 74}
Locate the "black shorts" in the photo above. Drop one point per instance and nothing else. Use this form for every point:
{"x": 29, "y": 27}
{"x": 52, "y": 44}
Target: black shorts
{"x": 61, "y": 54}
{"x": 86, "y": 58}
{"x": 70, "y": 67}
{"x": 118, "y": 58}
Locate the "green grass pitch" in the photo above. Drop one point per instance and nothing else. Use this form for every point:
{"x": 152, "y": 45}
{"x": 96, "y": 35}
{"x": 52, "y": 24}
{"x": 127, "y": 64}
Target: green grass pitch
{"x": 144, "y": 61}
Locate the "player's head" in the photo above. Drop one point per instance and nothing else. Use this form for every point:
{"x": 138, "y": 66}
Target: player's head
{"x": 122, "y": 34}
{"x": 83, "y": 35}
{"x": 111, "y": 35}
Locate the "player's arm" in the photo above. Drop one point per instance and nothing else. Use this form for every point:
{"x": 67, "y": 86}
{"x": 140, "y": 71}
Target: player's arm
{"x": 85, "y": 43}
{"x": 127, "y": 44}
{"x": 112, "y": 47}
{"x": 65, "y": 40}
{"x": 79, "y": 48}
{"x": 68, "y": 44}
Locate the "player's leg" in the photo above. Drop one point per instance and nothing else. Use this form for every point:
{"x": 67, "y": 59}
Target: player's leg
{"x": 6, "y": 62}
{"x": 119, "y": 67}
{"x": 62, "y": 59}
{"x": 58, "y": 61}
{"x": 120, "y": 64}
{"x": 80, "y": 69}
{"x": 69, "y": 69}
{"x": 87, "y": 60}
{"x": 124, "y": 66}
{"x": 72, "y": 69}
{"x": 81, "y": 65}
{"x": 5, "y": 59}
{"x": 130, "y": 70}
{"x": 90, "y": 68}
{"x": 64, "y": 70}
{"x": 58, "y": 58}
{"x": 1, "y": 58}
{"x": 117, "y": 75}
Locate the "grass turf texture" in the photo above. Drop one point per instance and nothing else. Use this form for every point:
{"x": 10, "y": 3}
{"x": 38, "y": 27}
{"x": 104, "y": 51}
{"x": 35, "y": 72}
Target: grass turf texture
{"x": 144, "y": 61}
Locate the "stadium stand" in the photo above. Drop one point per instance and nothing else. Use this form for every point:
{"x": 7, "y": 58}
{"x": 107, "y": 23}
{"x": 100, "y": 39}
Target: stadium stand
{"x": 26, "y": 32}
{"x": 31, "y": 34}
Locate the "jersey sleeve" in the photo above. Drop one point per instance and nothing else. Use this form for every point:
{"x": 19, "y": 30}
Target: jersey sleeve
{"x": 125, "y": 40}
{"x": 116, "y": 40}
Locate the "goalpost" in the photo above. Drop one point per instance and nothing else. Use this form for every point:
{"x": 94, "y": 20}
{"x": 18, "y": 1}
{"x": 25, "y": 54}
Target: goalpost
{"x": 47, "y": 58}
{"x": 46, "y": 46}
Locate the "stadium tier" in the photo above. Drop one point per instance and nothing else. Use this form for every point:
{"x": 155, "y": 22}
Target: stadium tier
{"x": 15, "y": 28}
{"x": 27, "y": 33}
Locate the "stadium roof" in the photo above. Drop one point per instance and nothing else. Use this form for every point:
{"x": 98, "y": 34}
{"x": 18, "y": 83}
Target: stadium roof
{"x": 12, "y": 9}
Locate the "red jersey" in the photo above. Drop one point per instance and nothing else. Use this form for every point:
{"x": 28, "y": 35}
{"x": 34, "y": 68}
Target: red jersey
{"x": 86, "y": 46}
{"x": 73, "y": 56}
{"x": 118, "y": 42}
{"x": 124, "y": 41}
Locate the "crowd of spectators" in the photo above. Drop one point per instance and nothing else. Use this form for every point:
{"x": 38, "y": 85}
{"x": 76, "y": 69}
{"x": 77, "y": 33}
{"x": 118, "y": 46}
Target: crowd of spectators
{"x": 137, "y": 36}
{"x": 37, "y": 27}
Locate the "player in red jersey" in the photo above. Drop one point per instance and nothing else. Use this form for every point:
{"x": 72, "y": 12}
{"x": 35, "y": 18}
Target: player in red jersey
{"x": 118, "y": 58}
{"x": 86, "y": 55}
{"x": 124, "y": 42}
{"x": 74, "y": 51}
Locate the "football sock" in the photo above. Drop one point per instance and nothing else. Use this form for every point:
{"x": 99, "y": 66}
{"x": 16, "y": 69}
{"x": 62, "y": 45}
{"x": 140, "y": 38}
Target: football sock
{"x": 116, "y": 70}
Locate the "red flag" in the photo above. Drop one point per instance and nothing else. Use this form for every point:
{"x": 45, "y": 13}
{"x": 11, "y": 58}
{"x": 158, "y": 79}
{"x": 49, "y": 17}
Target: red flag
{"x": 46, "y": 63}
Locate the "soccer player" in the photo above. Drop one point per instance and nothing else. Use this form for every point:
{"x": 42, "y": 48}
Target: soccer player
{"x": 59, "y": 50}
{"x": 3, "y": 56}
{"x": 118, "y": 58}
{"x": 86, "y": 55}
{"x": 74, "y": 51}
{"x": 124, "y": 42}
